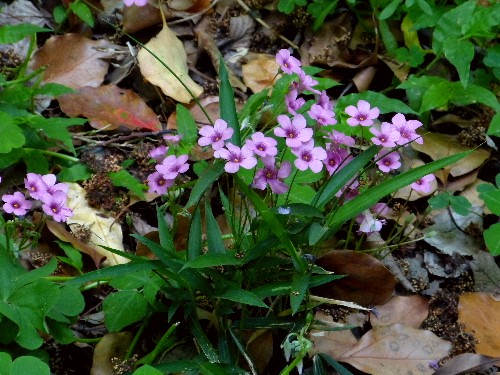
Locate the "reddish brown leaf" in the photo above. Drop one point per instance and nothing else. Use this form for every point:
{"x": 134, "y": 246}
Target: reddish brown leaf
{"x": 411, "y": 311}
{"x": 367, "y": 282}
{"x": 111, "y": 107}
{"x": 73, "y": 60}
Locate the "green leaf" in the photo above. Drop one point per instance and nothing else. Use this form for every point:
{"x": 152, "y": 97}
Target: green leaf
{"x": 492, "y": 239}
{"x": 460, "y": 205}
{"x": 215, "y": 243}
{"x": 202, "y": 340}
{"x": 424, "y": 5}
{"x": 77, "y": 172}
{"x": 439, "y": 201}
{"x": 130, "y": 281}
{"x": 166, "y": 239}
{"x": 389, "y": 40}
{"x": 124, "y": 179}
{"x": 53, "y": 89}
{"x": 59, "y": 14}
{"x": 15, "y": 33}
{"x": 194, "y": 247}
{"x": 494, "y": 128}
{"x": 492, "y": 200}
{"x": 147, "y": 370}
{"x": 437, "y": 96}
{"x": 227, "y": 106}
{"x": 186, "y": 126}
{"x": 321, "y": 11}
{"x": 376, "y": 99}
{"x": 460, "y": 53}
{"x": 243, "y": 296}
{"x": 212, "y": 260}
{"x": 210, "y": 175}
{"x": 389, "y": 10}
{"x": 298, "y": 291}
{"x": 123, "y": 308}
{"x": 70, "y": 301}
{"x": 286, "y": 6}
{"x": 297, "y": 194}
{"x": 29, "y": 365}
{"x": 83, "y": 12}
{"x": 5, "y": 363}
{"x": 10, "y": 134}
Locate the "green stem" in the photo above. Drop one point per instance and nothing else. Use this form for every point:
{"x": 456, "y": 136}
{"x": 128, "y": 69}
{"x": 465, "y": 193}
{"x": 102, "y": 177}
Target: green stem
{"x": 55, "y": 154}
{"x": 137, "y": 336}
{"x": 23, "y": 79}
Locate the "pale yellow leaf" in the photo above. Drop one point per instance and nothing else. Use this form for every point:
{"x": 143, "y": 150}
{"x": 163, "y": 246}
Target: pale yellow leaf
{"x": 105, "y": 231}
{"x": 408, "y": 310}
{"x": 170, "y": 50}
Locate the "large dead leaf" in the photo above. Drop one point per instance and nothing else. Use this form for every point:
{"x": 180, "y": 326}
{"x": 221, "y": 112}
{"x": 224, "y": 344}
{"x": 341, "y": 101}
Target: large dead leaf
{"x": 105, "y": 231}
{"x": 481, "y": 314}
{"x": 410, "y": 311}
{"x": 112, "y": 345}
{"x": 110, "y": 107}
{"x": 438, "y": 146}
{"x": 73, "y": 60}
{"x": 169, "y": 49}
{"x": 467, "y": 363}
{"x": 395, "y": 350}
{"x": 486, "y": 272}
{"x": 367, "y": 282}
{"x": 260, "y": 72}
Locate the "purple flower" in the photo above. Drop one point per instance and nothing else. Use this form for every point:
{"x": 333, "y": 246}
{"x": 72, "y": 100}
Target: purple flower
{"x": 337, "y": 139}
{"x": 362, "y": 114}
{"x": 305, "y": 83}
{"x": 336, "y": 158}
{"x": 158, "y": 184}
{"x": 16, "y": 204}
{"x": 287, "y": 62}
{"x": 293, "y": 104}
{"x": 388, "y": 160}
{"x": 381, "y": 209}
{"x": 322, "y": 116}
{"x": 139, "y": 3}
{"x": 54, "y": 205}
{"x": 261, "y": 145}
{"x": 270, "y": 175}
{"x": 52, "y": 186}
{"x": 236, "y": 157}
{"x": 35, "y": 185}
{"x": 387, "y": 136}
{"x": 294, "y": 131}
{"x": 406, "y": 129}
{"x": 309, "y": 156}
{"x": 172, "y": 139}
{"x": 324, "y": 101}
{"x": 423, "y": 185}
{"x": 158, "y": 153}
{"x": 368, "y": 223}
{"x": 215, "y": 135}
{"x": 172, "y": 166}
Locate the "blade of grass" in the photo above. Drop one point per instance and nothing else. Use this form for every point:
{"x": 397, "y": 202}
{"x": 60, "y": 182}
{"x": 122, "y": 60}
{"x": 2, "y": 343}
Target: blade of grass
{"x": 210, "y": 175}
{"x": 227, "y": 106}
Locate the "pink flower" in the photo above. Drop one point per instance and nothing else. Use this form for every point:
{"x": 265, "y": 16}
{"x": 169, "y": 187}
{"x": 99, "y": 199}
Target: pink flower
{"x": 294, "y": 131}
{"x": 387, "y": 136}
{"x": 158, "y": 184}
{"x": 215, "y": 135}
{"x": 305, "y": 83}
{"x": 35, "y": 185}
{"x": 287, "y": 63}
{"x": 139, "y": 3}
{"x": 16, "y": 204}
{"x": 309, "y": 156}
{"x": 172, "y": 166}
{"x": 236, "y": 157}
{"x": 52, "y": 186}
{"x": 54, "y": 205}
{"x": 381, "y": 209}
{"x": 172, "y": 139}
{"x": 337, "y": 139}
{"x": 270, "y": 175}
{"x": 324, "y": 101}
{"x": 322, "y": 116}
{"x": 368, "y": 223}
{"x": 406, "y": 129}
{"x": 158, "y": 153}
{"x": 293, "y": 104}
{"x": 336, "y": 158}
{"x": 388, "y": 160}
{"x": 423, "y": 185}
{"x": 261, "y": 145}
{"x": 362, "y": 114}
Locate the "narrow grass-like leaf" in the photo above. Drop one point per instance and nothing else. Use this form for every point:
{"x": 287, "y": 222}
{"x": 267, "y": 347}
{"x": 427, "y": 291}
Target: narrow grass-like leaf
{"x": 213, "y": 259}
{"x": 215, "y": 243}
{"x": 373, "y": 195}
{"x": 194, "y": 247}
{"x": 203, "y": 341}
{"x": 227, "y": 106}
{"x": 342, "y": 177}
{"x": 337, "y": 366}
{"x": 243, "y": 296}
{"x": 273, "y": 222}
{"x": 166, "y": 240}
{"x": 299, "y": 289}
{"x": 186, "y": 126}
{"x": 210, "y": 175}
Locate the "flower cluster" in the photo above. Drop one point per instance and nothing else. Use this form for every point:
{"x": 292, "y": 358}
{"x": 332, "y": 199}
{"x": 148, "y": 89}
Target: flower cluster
{"x": 44, "y": 189}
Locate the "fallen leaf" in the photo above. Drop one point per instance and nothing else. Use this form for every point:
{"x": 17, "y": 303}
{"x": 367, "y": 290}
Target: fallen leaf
{"x": 112, "y": 345}
{"x": 486, "y": 272}
{"x": 395, "y": 350}
{"x": 467, "y": 363}
{"x": 138, "y": 18}
{"x": 260, "y": 349}
{"x": 260, "y": 72}
{"x": 110, "y": 107}
{"x": 410, "y": 311}
{"x": 438, "y": 146}
{"x": 481, "y": 314}
{"x": 105, "y": 231}
{"x": 169, "y": 49}
{"x": 367, "y": 282}
{"x": 407, "y": 192}
{"x": 73, "y": 60}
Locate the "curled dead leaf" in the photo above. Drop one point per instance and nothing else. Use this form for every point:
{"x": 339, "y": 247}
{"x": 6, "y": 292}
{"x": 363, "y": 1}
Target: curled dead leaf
{"x": 260, "y": 72}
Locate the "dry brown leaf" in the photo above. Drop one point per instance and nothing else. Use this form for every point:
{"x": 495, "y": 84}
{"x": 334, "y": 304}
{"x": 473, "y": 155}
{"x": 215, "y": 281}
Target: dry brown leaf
{"x": 260, "y": 349}
{"x": 73, "y": 60}
{"x": 138, "y": 18}
{"x": 110, "y": 107}
{"x": 367, "y": 282}
{"x": 481, "y": 314}
{"x": 395, "y": 350}
{"x": 260, "y": 72}
{"x": 112, "y": 345}
{"x": 170, "y": 50}
{"x": 410, "y": 311}
{"x": 105, "y": 231}
{"x": 438, "y": 146}
{"x": 467, "y": 363}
